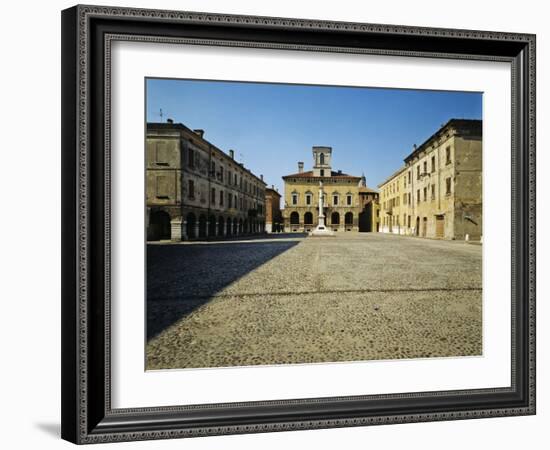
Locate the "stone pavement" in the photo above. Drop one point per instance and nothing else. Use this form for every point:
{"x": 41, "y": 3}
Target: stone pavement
{"x": 358, "y": 296}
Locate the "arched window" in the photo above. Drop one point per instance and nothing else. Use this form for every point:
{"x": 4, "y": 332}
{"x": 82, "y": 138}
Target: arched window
{"x": 321, "y": 159}
{"x": 229, "y": 227}
{"x": 159, "y": 226}
{"x": 335, "y": 218}
{"x": 308, "y": 218}
{"x": 294, "y": 218}
{"x": 211, "y": 226}
{"x": 348, "y": 218}
{"x": 190, "y": 227}
{"x": 202, "y": 226}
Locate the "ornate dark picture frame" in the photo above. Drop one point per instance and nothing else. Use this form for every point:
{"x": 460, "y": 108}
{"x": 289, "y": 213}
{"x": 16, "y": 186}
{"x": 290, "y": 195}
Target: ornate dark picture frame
{"x": 87, "y": 33}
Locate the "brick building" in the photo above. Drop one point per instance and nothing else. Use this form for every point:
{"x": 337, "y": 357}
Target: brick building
{"x": 194, "y": 190}
{"x": 273, "y": 215}
{"x": 438, "y": 191}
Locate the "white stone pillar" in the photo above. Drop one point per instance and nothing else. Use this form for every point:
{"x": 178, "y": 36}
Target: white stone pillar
{"x": 176, "y": 231}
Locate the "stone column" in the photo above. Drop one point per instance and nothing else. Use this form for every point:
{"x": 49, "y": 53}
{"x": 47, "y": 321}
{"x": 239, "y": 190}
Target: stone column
{"x": 321, "y": 203}
{"x": 176, "y": 230}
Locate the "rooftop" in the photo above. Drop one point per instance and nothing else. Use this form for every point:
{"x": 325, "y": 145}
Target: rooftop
{"x": 462, "y": 126}
{"x": 309, "y": 174}
{"x": 199, "y": 135}
{"x": 392, "y": 176}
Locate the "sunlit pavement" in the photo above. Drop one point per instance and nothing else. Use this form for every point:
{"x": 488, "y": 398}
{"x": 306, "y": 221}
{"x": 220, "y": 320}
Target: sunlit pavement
{"x": 291, "y": 299}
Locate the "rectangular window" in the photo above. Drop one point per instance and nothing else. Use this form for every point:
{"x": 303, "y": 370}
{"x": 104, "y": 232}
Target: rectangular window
{"x": 322, "y": 172}
{"x": 425, "y": 167}
{"x": 349, "y": 200}
{"x": 448, "y": 155}
{"x": 236, "y": 204}
{"x": 433, "y": 191}
{"x": 236, "y": 180}
{"x": 418, "y": 196}
{"x": 404, "y": 199}
{"x": 191, "y": 189}
{"x": 409, "y": 177}
{"x": 162, "y": 187}
{"x": 221, "y": 174}
{"x": 191, "y": 158}
{"x": 162, "y": 154}
{"x": 213, "y": 196}
{"x": 308, "y": 199}
{"x": 213, "y": 169}
{"x": 229, "y": 200}
{"x": 448, "y": 186}
{"x": 418, "y": 172}
{"x": 335, "y": 200}
{"x": 294, "y": 199}
{"x": 425, "y": 194}
{"x": 433, "y": 164}
{"x": 221, "y": 198}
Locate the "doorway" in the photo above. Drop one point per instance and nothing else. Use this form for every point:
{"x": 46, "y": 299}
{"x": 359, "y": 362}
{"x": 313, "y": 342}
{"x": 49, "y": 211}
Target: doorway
{"x": 440, "y": 226}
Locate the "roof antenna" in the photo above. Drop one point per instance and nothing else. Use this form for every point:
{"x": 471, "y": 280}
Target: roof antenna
{"x": 161, "y": 114}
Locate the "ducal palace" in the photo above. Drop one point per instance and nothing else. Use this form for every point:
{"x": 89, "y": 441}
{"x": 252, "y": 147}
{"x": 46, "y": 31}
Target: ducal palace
{"x": 348, "y": 204}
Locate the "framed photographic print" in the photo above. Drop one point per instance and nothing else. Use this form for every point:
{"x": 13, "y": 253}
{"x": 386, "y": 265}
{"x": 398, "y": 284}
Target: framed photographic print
{"x": 278, "y": 224}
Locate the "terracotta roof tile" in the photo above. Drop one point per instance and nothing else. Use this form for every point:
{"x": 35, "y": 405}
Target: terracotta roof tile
{"x": 309, "y": 174}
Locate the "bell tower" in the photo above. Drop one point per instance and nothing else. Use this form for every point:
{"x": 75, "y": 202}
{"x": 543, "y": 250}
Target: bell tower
{"x": 322, "y": 166}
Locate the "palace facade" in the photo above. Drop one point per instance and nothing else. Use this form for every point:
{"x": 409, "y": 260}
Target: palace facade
{"x": 350, "y": 205}
{"x": 437, "y": 193}
{"x": 194, "y": 190}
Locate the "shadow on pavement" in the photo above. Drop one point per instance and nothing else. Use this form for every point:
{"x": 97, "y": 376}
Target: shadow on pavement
{"x": 257, "y": 237}
{"x": 181, "y": 278}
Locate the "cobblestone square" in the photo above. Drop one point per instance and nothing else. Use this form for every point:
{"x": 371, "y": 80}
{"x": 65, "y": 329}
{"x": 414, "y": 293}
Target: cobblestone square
{"x": 283, "y": 299}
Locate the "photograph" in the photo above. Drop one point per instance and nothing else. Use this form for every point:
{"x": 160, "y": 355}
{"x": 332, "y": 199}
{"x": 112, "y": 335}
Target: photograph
{"x": 300, "y": 224}
{"x": 294, "y": 220}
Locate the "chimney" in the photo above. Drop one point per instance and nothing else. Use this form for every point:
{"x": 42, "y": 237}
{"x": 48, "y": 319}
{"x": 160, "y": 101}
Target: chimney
{"x": 262, "y": 177}
{"x": 232, "y": 154}
{"x": 300, "y": 167}
{"x": 199, "y": 133}
{"x": 170, "y": 120}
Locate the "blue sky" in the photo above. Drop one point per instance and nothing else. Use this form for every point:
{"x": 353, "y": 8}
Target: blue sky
{"x": 273, "y": 126}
